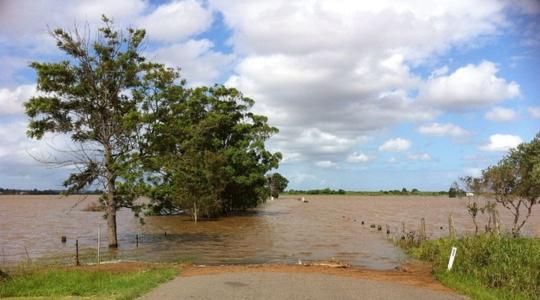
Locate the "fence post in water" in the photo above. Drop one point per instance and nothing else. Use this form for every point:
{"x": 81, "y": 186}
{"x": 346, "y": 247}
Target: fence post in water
{"x": 98, "y": 242}
{"x": 63, "y": 239}
{"x": 423, "y": 235}
{"x": 137, "y": 240}
{"x": 451, "y": 229}
{"x": 27, "y": 255}
{"x": 77, "y": 252}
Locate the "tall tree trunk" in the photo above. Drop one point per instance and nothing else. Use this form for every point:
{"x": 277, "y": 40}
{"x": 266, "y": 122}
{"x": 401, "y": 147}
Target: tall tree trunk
{"x": 111, "y": 202}
{"x": 111, "y": 224}
{"x": 195, "y": 212}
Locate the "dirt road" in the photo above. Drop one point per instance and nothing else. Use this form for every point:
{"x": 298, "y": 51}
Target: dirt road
{"x": 300, "y": 282}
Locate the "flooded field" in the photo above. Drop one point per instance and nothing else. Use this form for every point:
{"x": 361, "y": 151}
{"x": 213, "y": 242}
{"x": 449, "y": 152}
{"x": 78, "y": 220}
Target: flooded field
{"x": 284, "y": 230}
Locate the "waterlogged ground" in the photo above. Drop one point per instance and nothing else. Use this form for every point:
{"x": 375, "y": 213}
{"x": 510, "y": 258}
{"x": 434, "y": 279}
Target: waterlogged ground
{"x": 284, "y": 230}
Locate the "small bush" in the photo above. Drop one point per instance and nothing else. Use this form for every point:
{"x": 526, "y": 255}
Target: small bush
{"x": 94, "y": 206}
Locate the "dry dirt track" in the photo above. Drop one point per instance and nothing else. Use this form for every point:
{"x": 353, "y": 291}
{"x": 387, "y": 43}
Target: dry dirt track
{"x": 300, "y": 282}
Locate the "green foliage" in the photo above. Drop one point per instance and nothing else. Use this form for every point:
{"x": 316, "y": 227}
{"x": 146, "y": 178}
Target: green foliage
{"x": 514, "y": 182}
{"x": 95, "y": 97}
{"x": 208, "y": 152}
{"x": 510, "y": 265}
{"x": 454, "y": 191}
{"x": 57, "y": 283}
{"x": 277, "y": 184}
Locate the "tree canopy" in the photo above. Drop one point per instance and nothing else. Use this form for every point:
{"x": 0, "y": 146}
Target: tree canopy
{"x": 209, "y": 153}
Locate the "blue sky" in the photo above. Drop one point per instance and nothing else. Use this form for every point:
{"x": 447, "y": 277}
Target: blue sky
{"x": 367, "y": 95}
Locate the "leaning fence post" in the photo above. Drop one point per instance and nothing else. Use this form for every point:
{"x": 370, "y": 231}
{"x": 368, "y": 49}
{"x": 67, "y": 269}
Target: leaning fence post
{"x": 423, "y": 234}
{"x": 451, "y": 229}
{"x": 77, "y": 253}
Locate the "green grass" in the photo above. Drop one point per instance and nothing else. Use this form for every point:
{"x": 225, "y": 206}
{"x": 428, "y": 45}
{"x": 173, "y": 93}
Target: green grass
{"x": 486, "y": 267}
{"x": 81, "y": 282}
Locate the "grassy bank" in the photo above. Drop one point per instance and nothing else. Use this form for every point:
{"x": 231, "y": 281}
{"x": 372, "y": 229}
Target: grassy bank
{"x": 486, "y": 267}
{"x": 105, "y": 282}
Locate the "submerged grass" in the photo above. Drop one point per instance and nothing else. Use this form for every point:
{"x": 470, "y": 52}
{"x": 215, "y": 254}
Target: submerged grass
{"x": 84, "y": 282}
{"x": 486, "y": 266}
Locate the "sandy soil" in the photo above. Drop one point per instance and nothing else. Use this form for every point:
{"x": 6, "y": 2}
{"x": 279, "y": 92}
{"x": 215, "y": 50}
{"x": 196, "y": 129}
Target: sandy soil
{"x": 414, "y": 274}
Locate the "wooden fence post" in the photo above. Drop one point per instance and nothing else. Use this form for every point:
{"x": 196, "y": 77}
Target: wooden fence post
{"x": 98, "y": 242}
{"x": 423, "y": 235}
{"x": 451, "y": 228}
{"x": 77, "y": 263}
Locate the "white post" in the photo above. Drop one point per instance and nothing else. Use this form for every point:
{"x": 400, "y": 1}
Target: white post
{"x": 98, "y": 241}
{"x": 452, "y": 256}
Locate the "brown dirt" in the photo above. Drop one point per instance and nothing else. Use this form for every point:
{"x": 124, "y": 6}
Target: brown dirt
{"x": 412, "y": 273}
{"x": 120, "y": 267}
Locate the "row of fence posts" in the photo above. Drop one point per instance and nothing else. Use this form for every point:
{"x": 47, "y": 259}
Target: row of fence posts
{"x": 422, "y": 233}
{"x": 63, "y": 239}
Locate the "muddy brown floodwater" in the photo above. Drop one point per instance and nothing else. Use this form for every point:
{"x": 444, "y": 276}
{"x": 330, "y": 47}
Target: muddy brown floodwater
{"x": 283, "y": 231}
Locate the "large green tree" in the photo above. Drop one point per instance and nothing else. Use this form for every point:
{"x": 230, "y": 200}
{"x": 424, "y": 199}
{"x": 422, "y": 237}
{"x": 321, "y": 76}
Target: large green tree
{"x": 97, "y": 96}
{"x": 209, "y": 153}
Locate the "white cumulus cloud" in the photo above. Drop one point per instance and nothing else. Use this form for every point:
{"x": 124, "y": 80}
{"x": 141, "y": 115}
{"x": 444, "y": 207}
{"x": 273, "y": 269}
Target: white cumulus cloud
{"x": 422, "y": 156}
{"x": 11, "y": 100}
{"x": 468, "y": 87}
{"x": 176, "y": 20}
{"x": 534, "y": 111}
{"x": 326, "y": 164}
{"x": 501, "y": 114}
{"x": 200, "y": 64}
{"x": 358, "y": 157}
{"x": 501, "y": 142}
{"x": 395, "y": 145}
{"x": 438, "y": 129}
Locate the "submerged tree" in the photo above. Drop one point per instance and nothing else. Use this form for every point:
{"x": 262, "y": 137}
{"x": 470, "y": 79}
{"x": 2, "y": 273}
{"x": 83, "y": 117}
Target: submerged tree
{"x": 277, "y": 184}
{"x": 454, "y": 190}
{"x": 209, "y": 155}
{"x": 515, "y": 182}
{"x": 95, "y": 97}
{"x": 473, "y": 185}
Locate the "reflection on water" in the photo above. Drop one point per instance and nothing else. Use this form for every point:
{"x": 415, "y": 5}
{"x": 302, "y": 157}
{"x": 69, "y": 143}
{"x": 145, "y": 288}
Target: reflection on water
{"x": 285, "y": 230}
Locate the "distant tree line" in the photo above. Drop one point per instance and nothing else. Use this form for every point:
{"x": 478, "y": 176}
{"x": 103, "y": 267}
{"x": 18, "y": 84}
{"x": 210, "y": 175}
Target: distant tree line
{"x": 8, "y": 191}
{"x": 403, "y": 191}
